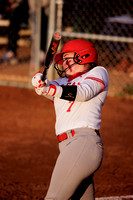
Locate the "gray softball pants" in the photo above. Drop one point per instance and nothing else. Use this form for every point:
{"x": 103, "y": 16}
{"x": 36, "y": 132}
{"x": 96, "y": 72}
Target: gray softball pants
{"x": 80, "y": 156}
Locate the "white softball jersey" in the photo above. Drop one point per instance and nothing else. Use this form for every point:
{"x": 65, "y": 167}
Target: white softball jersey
{"x": 85, "y": 110}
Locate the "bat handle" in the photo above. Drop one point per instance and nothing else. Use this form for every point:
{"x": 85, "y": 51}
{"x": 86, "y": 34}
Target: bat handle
{"x": 44, "y": 74}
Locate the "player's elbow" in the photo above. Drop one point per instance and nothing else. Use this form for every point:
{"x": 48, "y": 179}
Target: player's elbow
{"x": 84, "y": 94}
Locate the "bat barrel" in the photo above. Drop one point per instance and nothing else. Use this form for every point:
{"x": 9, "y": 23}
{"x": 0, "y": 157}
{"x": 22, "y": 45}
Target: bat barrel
{"x": 51, "y": 52}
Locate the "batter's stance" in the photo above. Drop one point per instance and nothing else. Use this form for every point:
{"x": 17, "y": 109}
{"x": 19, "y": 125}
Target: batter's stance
{"x": 78, "y": 99}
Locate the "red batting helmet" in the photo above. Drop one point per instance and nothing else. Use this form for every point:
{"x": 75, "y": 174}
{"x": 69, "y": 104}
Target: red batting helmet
{"x": 85, "y": 52}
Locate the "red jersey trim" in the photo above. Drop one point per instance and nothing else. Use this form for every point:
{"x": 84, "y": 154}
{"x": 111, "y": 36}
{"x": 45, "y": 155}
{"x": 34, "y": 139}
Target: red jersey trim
{"x": 98, "y": 80}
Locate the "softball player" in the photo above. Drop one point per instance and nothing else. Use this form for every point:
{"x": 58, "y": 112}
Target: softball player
{"x": 78, "y": 99}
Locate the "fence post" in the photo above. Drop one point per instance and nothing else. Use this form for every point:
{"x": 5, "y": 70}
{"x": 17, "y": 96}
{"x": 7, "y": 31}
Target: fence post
{"x": 35, "y": 50}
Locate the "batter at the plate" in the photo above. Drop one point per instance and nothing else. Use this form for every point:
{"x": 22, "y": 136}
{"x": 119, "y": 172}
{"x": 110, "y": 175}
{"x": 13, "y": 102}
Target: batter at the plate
{"x": 78, "y": 99}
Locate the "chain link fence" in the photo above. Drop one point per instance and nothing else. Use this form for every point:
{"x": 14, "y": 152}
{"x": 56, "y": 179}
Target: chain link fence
{"x": 107, "y": 24}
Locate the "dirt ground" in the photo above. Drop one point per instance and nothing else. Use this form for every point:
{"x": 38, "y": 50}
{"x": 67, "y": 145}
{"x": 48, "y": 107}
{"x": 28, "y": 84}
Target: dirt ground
{"x": 29, "y": 148}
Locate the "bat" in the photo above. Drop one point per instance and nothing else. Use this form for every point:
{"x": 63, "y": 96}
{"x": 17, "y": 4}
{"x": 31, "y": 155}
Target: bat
{"x": 51, "y": 52}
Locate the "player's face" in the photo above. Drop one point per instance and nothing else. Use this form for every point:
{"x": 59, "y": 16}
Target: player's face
{"x": 70, "y": 66}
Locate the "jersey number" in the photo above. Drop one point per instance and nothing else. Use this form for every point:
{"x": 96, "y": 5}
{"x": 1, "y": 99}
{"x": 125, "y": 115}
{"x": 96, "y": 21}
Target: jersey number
{"x": 71, "y": 104}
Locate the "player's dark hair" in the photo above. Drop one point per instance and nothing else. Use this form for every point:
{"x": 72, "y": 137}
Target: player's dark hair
{"x": 92, "y": 65}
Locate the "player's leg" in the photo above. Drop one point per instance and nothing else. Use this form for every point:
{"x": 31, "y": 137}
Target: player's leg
{"x": 85, "y": 190}
{"x": 89, "y": 193}
{"x": 63, "y": 181}
{"x": 79, "y": 158}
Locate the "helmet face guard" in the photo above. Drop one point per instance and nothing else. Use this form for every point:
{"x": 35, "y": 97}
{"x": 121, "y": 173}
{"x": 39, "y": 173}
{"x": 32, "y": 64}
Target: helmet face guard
{"x": 59, "y": 66}
{"x": 85, "y": 53}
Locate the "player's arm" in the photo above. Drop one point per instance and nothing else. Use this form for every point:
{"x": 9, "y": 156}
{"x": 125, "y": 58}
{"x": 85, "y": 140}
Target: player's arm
{"x": 90, "y": 87}
{"x": 82, "y": 92}
{"x": 87, "y": 90}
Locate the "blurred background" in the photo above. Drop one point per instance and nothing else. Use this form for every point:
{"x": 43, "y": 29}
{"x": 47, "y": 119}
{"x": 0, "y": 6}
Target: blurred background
{"x": 26, "y": 28}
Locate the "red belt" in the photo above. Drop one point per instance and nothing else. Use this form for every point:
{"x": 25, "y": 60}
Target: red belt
{"x": 64, "y": 136}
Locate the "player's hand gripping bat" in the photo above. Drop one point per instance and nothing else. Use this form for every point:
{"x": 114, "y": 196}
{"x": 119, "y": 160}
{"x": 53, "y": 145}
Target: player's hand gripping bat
{"x": 51, "y": 52}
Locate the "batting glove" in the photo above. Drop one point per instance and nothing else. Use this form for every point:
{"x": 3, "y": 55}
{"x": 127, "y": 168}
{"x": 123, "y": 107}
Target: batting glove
{"x": 36, "y": 80}
{"x": 41, "y": 91}
{"x": 40, "y": 86}
{"x": 46, "y": 87}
